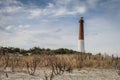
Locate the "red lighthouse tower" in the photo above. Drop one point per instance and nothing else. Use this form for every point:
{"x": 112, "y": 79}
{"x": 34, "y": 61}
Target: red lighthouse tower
{"x": 81, "y": 36}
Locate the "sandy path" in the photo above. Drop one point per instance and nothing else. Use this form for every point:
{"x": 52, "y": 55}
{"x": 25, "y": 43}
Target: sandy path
{"x": 84, "y": 74}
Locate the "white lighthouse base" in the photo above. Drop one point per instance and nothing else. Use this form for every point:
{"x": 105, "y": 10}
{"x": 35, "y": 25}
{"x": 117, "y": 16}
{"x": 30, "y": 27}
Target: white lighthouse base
{"x": 81, "y": 46}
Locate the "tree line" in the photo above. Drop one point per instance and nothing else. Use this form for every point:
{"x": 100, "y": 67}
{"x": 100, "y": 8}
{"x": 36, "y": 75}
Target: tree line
{"x": 35, "y": 50}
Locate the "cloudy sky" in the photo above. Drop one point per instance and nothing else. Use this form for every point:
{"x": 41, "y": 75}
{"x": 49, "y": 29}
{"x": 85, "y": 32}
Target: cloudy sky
{"x": 54, "y": 24}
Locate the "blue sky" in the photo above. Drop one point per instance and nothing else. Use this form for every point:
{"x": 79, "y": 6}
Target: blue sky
{"x": 54, "y": 24}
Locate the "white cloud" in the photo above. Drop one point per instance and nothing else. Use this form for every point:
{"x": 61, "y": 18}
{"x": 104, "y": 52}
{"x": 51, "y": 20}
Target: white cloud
{"x": 50, "y": 5}
{"x": 9, "y": 27}
{"x": 78, "y": 10}
{"x": 55, "y": 9}
{"x": 63, "y": 1}
{"x": 12, "y": 9}
{"x": 64, "y": 8}
{"x": 59, "y": 12}
{"x": 64, "y": 11}
{"x": 60, "y": 8}
{"x": 24, "y": 26}
{"x": 19, "y": 38}
{"x": 14, "y": 28}
{"x": 92, "y": 3}
{"x": 81, "y": 9}
{"x": 35, "y": 13}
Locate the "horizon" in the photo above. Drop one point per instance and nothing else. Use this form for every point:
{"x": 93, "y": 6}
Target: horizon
{"x": 55, "y": 24}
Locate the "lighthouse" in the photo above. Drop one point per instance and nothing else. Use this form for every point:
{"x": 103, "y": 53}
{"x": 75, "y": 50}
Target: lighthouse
{"x": 81, "y": 47}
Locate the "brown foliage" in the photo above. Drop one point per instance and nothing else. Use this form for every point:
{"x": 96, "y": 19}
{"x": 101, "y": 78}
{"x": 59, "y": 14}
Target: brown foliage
{"x": 58, "y": 63}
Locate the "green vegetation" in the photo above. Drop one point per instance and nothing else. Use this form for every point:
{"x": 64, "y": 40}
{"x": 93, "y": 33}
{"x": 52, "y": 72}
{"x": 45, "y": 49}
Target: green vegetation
{"x": 34, "y": 51}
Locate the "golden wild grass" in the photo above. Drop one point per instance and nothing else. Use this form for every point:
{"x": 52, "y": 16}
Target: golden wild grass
{"x": 58, "y": 63}
{"x": 73, "y": 60}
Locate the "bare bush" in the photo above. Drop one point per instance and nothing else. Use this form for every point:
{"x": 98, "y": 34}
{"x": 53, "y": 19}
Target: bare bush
{"x": 117, "y": 64}
{"x": 32, "y": 65}
{"x": 6, "y": 61}
{"x": 59, "y": 65}
{"x": 14, "y": 62}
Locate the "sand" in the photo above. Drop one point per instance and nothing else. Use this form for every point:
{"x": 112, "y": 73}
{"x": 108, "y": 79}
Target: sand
{"x": 84, "y": 74}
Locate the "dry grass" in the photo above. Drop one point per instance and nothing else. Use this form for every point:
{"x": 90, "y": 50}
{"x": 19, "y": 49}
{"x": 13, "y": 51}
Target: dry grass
{"x": 57, "y": 63}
